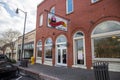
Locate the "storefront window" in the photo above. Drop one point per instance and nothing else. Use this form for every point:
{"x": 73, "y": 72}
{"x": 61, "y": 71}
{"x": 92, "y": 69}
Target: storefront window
{"x": 48, "y": 48}
{"x": 48, "y": 52}
{"x": 29, "y": 46}
{"x": 107, "y": 47}
{"x": 39, "y": 49}
{"x": 39, "y": 54}
{"x": 106, "y": 40}
{"x": 79, "y": 48}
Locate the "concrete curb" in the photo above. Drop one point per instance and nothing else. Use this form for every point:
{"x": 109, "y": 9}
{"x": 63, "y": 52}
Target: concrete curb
{"x": 36, "y": 75}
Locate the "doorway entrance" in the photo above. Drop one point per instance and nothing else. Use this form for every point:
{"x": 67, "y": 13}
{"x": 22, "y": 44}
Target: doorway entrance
{"x": 61, "y": 51}
{"x": 61, "y": 56}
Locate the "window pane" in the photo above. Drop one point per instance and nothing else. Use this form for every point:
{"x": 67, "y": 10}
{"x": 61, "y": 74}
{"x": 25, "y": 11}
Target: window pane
{"x": 52, "y": 10}
{"x": 79, "y": 51}
{"x": 107, "y": 47}
{"x": 28, "y": 54}
{"x": 64, "y": 55}
{"x": 41, "y": 20}
{"x": 106, "y": 27}
{"x": 48, "y": 52}
{"x": 93, "y": 1}
{"x": 39, "y": 53}
{"x": 78, "y": 34}
{"x": 39, "y": 43}
{"x": 69, "y": 6}
{"x": 61, "y": 39}
{"x": 59, "y": 57}
{"x": 49, "y": 41}
{"x": 39, "y": 49}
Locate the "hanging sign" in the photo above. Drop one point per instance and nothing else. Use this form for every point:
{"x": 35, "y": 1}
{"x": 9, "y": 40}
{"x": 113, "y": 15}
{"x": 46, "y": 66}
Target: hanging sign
{"x": 57, "y": 22}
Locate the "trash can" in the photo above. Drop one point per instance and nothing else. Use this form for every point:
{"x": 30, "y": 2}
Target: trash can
{"x": 24, "y": 63}
{"x": 101, "y": 71}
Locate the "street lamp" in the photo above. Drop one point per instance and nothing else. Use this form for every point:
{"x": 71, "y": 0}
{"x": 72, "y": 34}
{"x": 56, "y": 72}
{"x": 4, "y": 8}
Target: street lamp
{"x": 22, "y": 50}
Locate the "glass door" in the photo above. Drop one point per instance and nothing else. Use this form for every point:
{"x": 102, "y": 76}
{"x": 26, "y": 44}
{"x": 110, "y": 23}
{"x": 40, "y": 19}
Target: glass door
{"x": 61, "y": 56}
{"x": 64, "y": 51}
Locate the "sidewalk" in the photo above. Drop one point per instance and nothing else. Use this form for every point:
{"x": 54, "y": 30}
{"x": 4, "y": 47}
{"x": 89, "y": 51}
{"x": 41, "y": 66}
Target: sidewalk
{"x": 64, "y": 73}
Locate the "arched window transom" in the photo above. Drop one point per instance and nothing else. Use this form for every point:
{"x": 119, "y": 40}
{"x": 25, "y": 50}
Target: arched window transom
{"x": 61, "y": 39}
{"x": 108, "y": 26}
{"x": 78, "y": 34}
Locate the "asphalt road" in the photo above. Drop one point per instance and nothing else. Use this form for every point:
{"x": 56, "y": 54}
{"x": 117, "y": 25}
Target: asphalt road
{"x": 25, "y": 77}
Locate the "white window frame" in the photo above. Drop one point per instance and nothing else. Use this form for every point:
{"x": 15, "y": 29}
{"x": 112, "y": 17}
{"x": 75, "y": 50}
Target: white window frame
{"x": 101, "y": 35}
{"x": 74, "y": 51}
{"x": 94, "y": 1}
{"x": 41, "y": 20}
{"x": 38, "y": 46}
{"x": 67, "y": 7}
{"x": 59, "y": 43}
{"x": 38, "y": 59}
{"x": 46, "y": 59}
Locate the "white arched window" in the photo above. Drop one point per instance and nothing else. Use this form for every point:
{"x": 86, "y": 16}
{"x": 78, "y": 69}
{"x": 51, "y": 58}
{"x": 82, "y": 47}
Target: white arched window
{"x": 106, "y": 40}
{"x": 39, "y": 49}
{"x": 52, "y": 10}
{"x": 48, "y": 48}
{"x": 79, "y": 48}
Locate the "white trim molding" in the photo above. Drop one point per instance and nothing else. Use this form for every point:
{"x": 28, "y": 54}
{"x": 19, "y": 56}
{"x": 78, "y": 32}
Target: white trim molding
{"x": 74, "y": 51}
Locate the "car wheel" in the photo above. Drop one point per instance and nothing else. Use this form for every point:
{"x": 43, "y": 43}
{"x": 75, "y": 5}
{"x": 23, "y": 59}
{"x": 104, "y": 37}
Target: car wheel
{"x": 17, "y": 73}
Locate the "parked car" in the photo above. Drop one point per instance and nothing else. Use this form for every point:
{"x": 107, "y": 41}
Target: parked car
{"x": 4, "y": 58}
{"x": 8, "y": 70}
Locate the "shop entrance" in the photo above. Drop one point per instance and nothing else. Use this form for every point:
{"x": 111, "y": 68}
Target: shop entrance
{"x": 61, "y": 51}
{"x": 61, "y": 56}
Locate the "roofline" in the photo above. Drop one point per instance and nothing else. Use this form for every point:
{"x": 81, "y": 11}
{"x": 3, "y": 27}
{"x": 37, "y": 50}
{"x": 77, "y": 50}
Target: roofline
{"x": 31, "y": 31}
{"x": 28, "y": 32}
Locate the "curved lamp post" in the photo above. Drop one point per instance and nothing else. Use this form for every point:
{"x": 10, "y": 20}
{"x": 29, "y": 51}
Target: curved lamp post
{"x": 22, "y": 49}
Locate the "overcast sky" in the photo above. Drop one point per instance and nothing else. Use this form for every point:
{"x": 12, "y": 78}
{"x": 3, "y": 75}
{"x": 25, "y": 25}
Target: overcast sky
{"x": 9, "y": 19}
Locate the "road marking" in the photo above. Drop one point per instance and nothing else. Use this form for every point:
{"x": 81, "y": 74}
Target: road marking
{"x": 19, "y": 78}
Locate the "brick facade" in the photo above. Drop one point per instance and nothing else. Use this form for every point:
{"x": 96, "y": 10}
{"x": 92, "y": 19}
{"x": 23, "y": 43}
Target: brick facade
{"x": 84, "y": 18}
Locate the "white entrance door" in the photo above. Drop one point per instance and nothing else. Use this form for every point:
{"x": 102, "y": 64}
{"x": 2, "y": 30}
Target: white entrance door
{"x": 61, "y": 56}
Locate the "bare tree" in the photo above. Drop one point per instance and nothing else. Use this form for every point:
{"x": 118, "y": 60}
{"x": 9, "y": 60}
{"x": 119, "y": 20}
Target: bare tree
{"x": 8, "y": 38}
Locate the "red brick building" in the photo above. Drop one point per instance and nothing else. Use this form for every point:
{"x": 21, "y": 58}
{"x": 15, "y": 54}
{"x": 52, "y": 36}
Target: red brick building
{"x": 76, "y": 33}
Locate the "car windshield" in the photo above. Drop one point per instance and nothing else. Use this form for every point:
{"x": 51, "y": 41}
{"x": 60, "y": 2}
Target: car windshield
{"x": 2, "y": 57}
